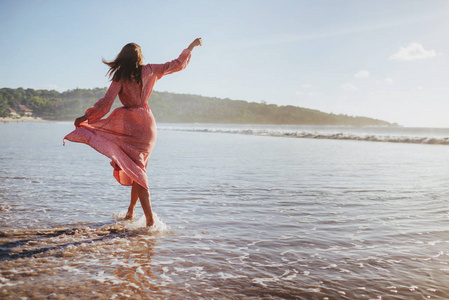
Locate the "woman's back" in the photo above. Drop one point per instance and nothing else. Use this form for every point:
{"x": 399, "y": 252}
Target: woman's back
{"x": 130, "y": 94}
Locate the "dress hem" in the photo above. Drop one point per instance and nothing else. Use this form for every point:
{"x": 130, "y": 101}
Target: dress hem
{"x": 86, "y": 136}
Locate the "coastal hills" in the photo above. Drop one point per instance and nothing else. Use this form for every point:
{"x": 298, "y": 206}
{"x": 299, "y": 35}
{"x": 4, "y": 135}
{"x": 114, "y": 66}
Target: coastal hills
{"x": 173, "y": 108}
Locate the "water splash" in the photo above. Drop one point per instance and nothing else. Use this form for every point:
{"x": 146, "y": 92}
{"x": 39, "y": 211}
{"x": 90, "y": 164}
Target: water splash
{"x": 159, "y": 225}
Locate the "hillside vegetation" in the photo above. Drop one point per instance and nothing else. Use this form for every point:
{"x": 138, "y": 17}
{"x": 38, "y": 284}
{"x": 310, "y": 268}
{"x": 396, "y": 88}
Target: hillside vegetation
{"x": 175, "y": 108}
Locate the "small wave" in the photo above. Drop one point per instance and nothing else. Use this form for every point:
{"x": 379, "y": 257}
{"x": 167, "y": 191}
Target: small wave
{"x": 320, "y": 135}
{"x": 5, "y": 207}
{"x": 14, "y": 177}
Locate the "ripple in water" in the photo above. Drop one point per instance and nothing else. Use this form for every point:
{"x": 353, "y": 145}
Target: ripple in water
{"x": 249, "y": 217}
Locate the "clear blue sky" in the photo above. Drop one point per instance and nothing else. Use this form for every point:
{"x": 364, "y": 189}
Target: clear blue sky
{"x": 381, "y": 58}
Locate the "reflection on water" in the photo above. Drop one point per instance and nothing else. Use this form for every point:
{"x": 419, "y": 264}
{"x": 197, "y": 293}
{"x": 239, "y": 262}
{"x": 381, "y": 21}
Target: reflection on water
{"x": 76, "y": 262}
{"x": 244, "y": 217}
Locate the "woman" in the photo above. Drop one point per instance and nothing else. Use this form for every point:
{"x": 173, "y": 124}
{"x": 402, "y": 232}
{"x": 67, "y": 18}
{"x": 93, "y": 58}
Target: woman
{"x": 127, "y": 136}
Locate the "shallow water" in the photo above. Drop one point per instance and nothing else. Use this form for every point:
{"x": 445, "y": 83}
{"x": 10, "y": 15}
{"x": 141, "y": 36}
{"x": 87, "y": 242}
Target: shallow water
{"x": 240, "y": 216}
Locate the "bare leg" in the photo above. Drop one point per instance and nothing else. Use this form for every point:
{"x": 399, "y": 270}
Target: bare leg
{"x": 144, "y": 196}
{"x": 132, "y": 204}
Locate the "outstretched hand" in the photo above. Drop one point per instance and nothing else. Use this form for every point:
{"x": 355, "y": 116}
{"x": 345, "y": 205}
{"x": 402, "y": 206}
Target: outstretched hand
{"x": 195, "y": 43}
{"x": 79, "y": 120}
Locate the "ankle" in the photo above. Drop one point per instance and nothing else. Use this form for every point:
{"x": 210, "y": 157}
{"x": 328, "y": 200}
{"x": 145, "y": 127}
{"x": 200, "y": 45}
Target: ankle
{"x": 129, "y": 214}
{"x": 150, "y": 221}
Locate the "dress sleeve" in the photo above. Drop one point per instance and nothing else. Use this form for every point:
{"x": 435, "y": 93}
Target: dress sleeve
{"x": 173, "y": 66}
{"x": 103, "y": 106}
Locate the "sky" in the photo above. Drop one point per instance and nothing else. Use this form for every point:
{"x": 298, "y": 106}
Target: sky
{"x": 376, "y": 58}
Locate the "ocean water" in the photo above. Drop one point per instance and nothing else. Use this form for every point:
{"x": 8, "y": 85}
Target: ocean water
{"x": 243, "y": 212}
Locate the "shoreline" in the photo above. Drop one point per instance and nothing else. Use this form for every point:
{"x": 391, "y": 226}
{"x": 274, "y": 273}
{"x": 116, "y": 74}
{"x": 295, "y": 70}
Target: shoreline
{"x": 23, "y": 119}
{"x": 38, "y": 119}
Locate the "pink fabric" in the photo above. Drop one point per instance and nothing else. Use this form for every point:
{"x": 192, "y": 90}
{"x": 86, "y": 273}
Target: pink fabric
{"x": 127, "y": 136}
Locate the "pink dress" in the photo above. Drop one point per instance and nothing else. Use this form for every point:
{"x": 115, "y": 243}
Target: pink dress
{"x": 127, "y": 136}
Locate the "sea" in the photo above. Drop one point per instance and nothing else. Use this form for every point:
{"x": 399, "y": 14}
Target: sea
{"x": 242, "y": 212}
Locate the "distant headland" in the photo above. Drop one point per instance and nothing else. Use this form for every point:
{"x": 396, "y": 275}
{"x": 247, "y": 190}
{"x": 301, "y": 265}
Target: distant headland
{"x": 29, "y": 105}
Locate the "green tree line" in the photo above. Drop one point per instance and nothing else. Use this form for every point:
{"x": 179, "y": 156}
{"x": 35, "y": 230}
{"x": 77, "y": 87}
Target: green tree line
{"x": 175, "y": 108}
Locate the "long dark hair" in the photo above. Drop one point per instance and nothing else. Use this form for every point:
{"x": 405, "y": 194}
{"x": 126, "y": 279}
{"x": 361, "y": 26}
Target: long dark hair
{"x": 127, "y": 65}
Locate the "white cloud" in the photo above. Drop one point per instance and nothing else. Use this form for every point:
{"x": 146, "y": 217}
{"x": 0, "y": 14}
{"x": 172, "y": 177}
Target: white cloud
{"x": 389, "y": 81}
{"x": 362, "y": 74}
{"x": 349, "y": 87}
{"x": 414, "y": 51}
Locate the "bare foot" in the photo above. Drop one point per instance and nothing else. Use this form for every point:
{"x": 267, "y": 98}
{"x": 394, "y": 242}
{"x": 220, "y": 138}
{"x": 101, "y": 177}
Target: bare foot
{"x": 129, "y": 215}
{"x": 150, "y": 222}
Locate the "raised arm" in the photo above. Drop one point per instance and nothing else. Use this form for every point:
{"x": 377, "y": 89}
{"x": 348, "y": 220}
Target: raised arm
{"x": 178, "y": 64}
{"x": 102, "y": 107}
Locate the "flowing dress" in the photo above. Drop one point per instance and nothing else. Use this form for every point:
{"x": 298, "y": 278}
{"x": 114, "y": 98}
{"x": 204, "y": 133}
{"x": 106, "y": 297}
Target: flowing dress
{"x": 127, "y": 136}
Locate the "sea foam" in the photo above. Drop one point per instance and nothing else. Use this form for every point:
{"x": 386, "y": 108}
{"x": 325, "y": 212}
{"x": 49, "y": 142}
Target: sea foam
{"x": 320, "y": 135}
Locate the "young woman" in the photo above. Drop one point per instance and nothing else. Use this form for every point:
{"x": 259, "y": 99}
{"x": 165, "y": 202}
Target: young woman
{"x": 127, "y": 136}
